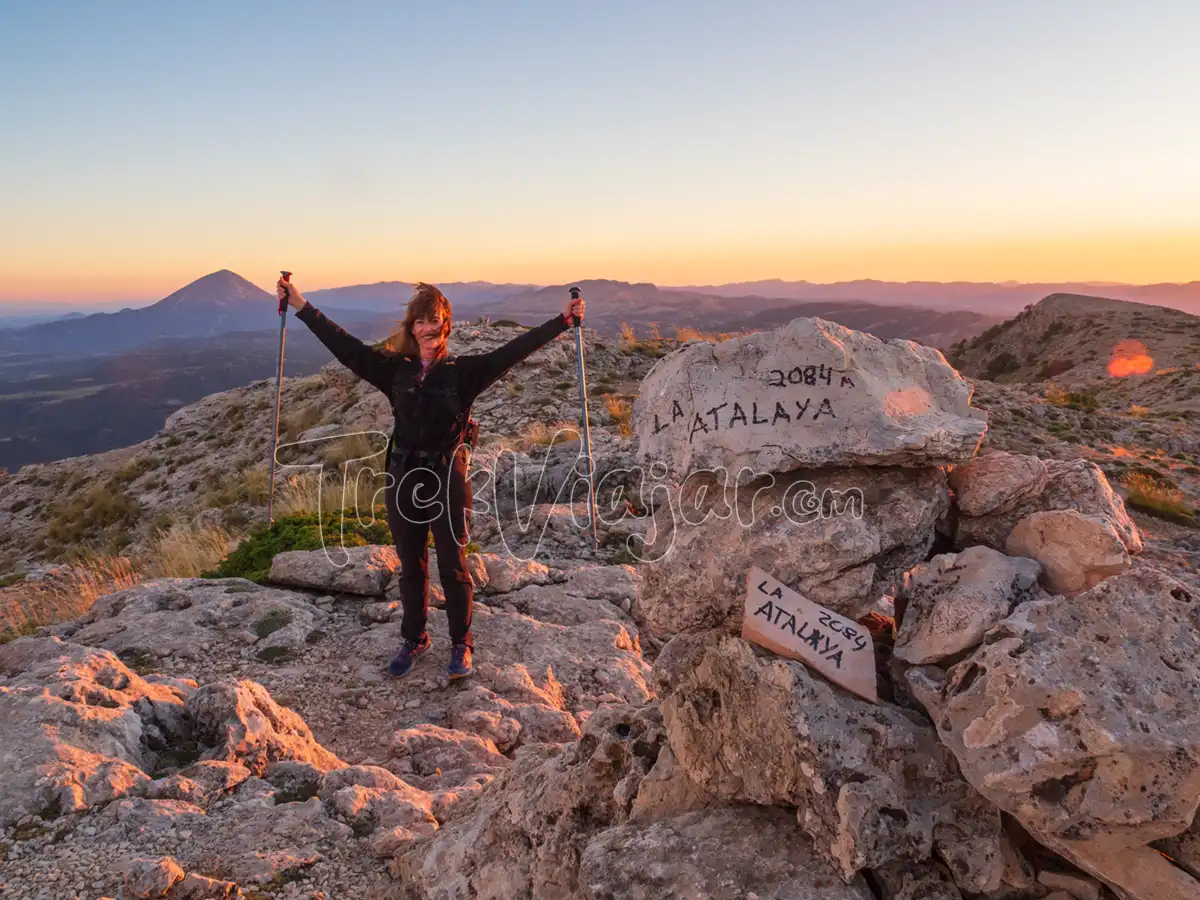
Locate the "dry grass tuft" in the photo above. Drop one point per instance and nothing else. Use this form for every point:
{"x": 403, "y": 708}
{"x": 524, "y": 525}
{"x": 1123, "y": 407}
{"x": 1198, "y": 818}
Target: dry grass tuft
{"x": 1158, "y": 499}
{"x": 30, "y": 605}
{"x": 542, "y": 434}
{"x": 361, "y": 446}
{"x": 187, "y": 550}
{"x": 620, "y": 411}
{"x": 292, "y": 424}
{"x": 684, "y": 334}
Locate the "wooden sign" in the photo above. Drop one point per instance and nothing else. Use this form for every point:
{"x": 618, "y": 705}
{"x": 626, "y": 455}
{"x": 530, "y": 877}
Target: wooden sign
{"x": 786, "y": 623}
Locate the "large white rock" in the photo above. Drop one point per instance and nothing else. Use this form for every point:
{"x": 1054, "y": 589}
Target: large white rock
{"x": 811, "y": 393}
{"x": 526, "y": 834}
{"x": 185, "y": 617}
{"x": 1076, "y": 551}
{"x": 996, "y": 481}
{"x": 1079, "y": 718}
{"x": 840, "y": 537}
{"x": 350, "y": 570}
{"x": 1068, "y": 484}
{"x": 871, "y": 783}
{"x": 79, "y": 728}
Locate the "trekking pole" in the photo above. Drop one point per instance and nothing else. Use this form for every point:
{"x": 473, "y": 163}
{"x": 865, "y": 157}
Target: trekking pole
{"x": 587, "y": 437}
{"x": 283, "y": 305}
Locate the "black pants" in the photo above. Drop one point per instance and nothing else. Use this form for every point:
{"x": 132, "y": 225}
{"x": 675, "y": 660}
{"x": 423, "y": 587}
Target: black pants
{"x": 425, "y": 496}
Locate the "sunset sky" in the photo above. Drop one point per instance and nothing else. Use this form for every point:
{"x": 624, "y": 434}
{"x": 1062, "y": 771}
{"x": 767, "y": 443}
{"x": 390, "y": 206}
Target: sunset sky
{"x": 143, "y": 145}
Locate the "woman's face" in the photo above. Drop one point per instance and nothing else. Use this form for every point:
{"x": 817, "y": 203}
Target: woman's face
{"x": 428, "y": 332}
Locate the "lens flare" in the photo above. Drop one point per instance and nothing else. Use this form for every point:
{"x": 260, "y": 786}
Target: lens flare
{"x": 1129, "y": 357}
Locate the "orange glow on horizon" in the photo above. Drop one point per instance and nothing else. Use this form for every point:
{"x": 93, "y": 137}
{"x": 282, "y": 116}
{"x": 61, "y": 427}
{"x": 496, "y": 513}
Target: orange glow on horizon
{"x": 131, "y": 264}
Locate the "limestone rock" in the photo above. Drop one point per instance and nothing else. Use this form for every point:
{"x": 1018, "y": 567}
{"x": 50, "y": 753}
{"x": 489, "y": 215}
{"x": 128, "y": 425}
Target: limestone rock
{"x": 728, "y": 853}
{"x": 839, "y": 537}
{"x": 183, "y": 617}
{"x": 242, "y": 723}
{"x": 949, "y": 602}
{"x": 1079, "y": 886}
{"x": 1076, "y": 551}
{"x": 996, "y": 482}
{"x": 543, "y": 531}
{"x": 79, "y": 727}
{"x": 200, "y": 783}
{"x": 555, "y": 604}
{"x": 904, "y": 881}
{"x": 667, "y": 791}
{"x": 554, "y": 473}
{"x": 1070, "y": 484}
{"x": 348, "y": 570}
{"x": 611, "y": 583}
{"x": 431, "y": 757}
{"x": 578, "y": 664}
{"x": 1078, "y": 716}
{"x": 809, "y": 394}
{"x": 370, "y": 798}
{"x": 198, "y": 887}
{"x": 152, "y": 878}
{"x": 259, "y": 840}
{"x": 1138, "y": 873}
{"x": 526, "y": 834}
{"x": 871, "y": 782}
{"x": 506, "y": 573}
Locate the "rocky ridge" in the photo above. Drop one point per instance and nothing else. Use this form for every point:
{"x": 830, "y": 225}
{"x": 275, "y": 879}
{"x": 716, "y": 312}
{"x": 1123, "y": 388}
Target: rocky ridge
{"x": 1034, "y": 738}
{"x": 1120, "y": 353}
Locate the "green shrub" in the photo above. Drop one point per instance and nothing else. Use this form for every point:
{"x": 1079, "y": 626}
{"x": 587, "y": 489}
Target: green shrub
{"x": 307, "y": 531}
{"x": 1002, "y": 364}
{"x": 991, "y": 333}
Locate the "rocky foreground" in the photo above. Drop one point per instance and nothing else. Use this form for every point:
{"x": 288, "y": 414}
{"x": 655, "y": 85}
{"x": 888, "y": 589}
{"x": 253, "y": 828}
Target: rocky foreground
{"x": 1037, "y": 734}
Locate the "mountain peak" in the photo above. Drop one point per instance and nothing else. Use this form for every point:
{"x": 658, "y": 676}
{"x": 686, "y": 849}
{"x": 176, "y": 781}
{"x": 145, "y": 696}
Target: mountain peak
{"x": 223, "y": 288}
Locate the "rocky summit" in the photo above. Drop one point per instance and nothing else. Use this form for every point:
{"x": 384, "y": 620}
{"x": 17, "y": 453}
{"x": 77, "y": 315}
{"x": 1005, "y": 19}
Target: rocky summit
{"x": 1036, "y": 637}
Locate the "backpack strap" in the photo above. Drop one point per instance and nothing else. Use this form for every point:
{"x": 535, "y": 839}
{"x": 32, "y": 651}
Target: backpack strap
{"x": 467, "y": 426}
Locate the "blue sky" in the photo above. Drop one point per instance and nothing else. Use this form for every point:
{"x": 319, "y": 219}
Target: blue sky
{"x": 147, "y": 144}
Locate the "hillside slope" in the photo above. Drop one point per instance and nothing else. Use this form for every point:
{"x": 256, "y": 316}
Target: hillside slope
{"x": 1118, "y": 353}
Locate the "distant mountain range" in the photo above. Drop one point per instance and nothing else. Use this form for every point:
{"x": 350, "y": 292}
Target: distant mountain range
{"x": 990, "y": 298}
{"x": 930, "y": 312}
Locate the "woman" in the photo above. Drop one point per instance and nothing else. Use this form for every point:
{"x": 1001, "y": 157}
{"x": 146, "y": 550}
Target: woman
{"x": 431, "y": 396}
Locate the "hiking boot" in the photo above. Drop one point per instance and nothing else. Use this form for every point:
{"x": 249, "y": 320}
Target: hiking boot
{"x": 460, "y": 662}
{"x": 402, "y": 664}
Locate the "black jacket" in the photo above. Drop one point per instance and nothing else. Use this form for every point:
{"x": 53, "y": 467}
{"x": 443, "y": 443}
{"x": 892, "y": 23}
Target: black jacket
{"x": 424, "y": 409}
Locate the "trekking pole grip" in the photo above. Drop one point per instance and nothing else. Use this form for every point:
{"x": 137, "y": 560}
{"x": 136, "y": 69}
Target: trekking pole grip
{"x": 575, "y": 296}
{"x": 287, "y": 277}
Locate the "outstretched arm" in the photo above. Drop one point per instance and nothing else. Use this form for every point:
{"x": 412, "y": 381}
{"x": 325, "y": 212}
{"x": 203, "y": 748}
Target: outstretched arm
{"x": 485, "y": 369}
{"x": 373, "y": 366}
